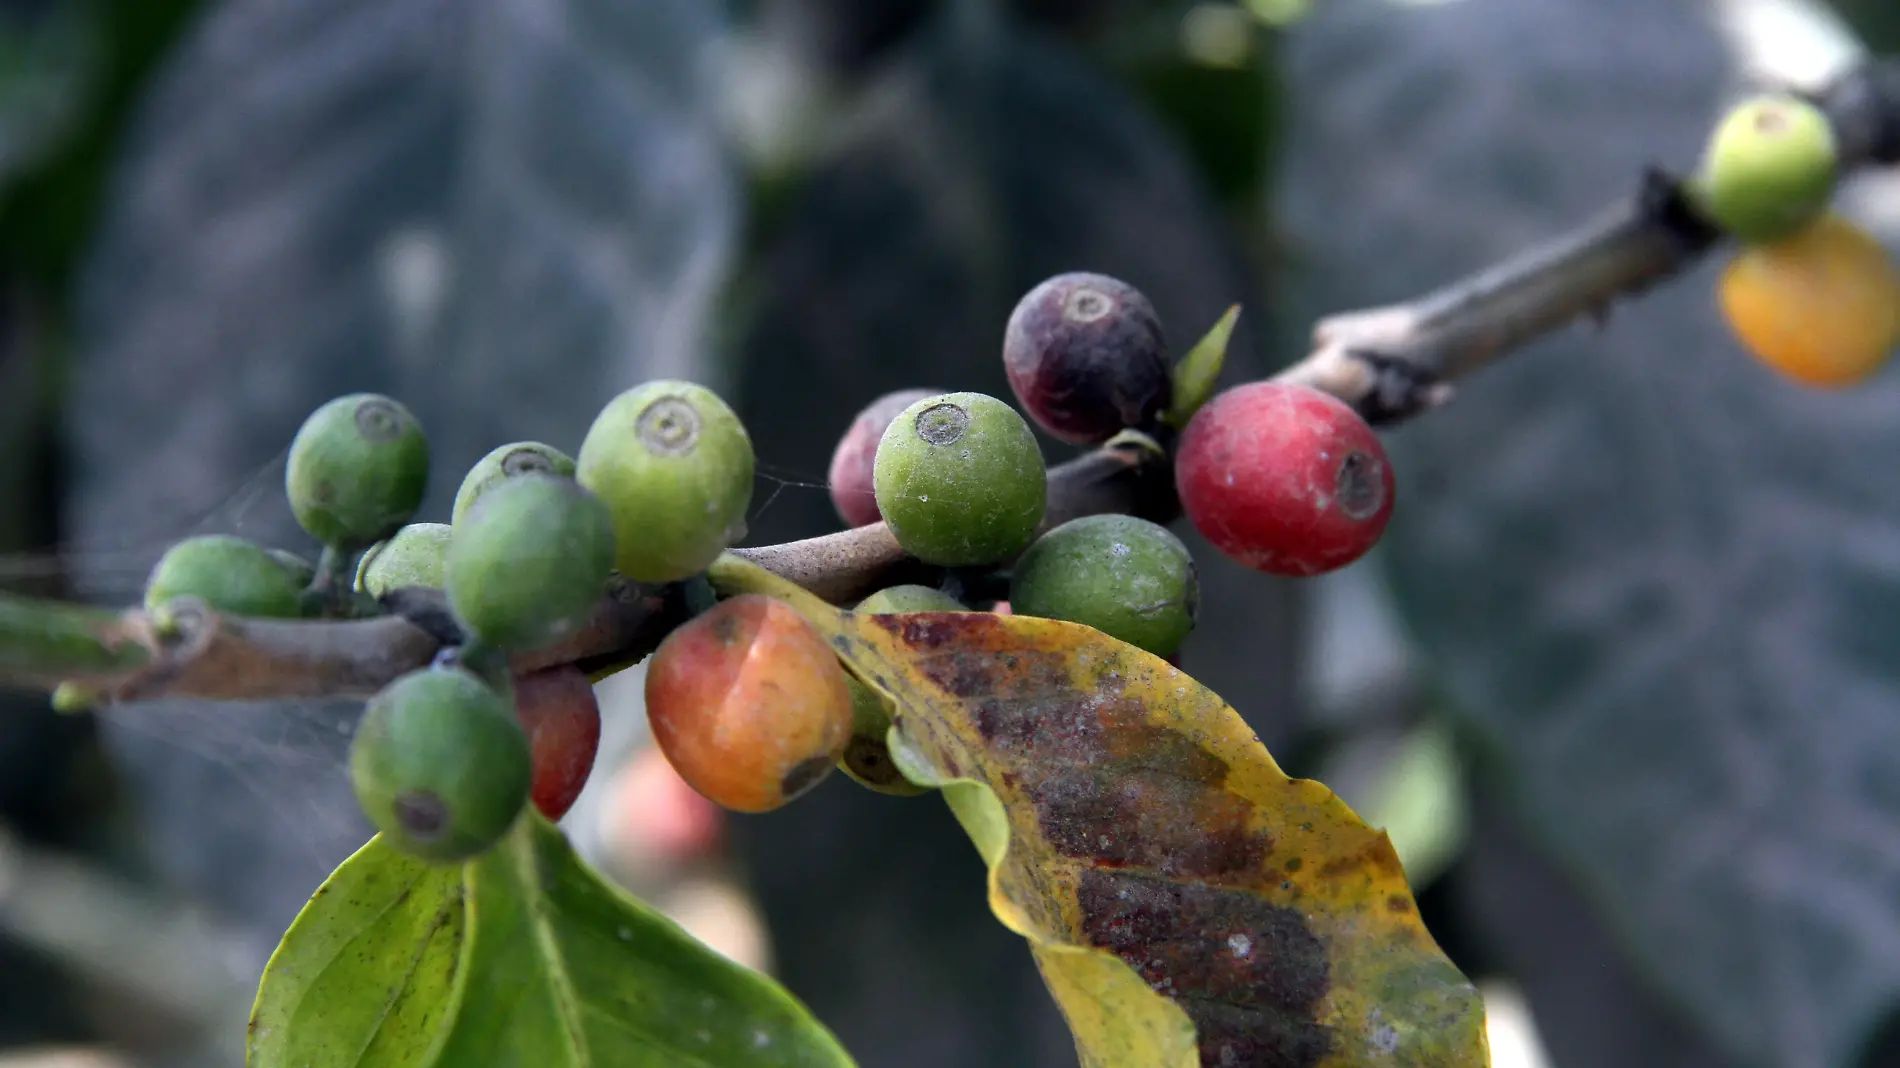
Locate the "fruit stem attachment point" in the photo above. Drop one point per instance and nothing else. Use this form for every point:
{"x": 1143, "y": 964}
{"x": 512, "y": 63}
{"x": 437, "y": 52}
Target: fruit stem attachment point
{"x": 331, "y": 593}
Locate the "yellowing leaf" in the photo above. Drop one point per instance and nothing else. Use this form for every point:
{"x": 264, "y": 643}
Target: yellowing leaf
{"x": 1188, "y": 903}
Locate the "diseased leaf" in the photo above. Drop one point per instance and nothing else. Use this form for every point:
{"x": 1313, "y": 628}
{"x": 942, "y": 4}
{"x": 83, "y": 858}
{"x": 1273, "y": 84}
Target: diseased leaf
{"x": 1122, "y": 807}
{"x": 565, "y": 970}
{"x": 365, "y": 976}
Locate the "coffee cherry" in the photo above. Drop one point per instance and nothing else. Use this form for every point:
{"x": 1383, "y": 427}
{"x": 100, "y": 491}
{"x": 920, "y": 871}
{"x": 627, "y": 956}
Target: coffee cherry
{"x": 357, "y": 471}
{"x": 867, "y": 757}
{"x": 1284, "y": 479}
{"x": 749, "y": 703}
{"x": 1086, "y": 357}
{"x": 416, "y": 555}
{"x": 440, "y": 765}
{"x": 909, "y": 598}
{"x": 960, "y": 480}
{"x": 674, "y": 466}
{"x": 1821, "y": 308}
{"x": 558, "y": 710}
{"x": 1129, "y": 578}
{"x": 229, "y": 574}
{"x": 530, "y": 561}
{"x": 852, "y": 492}
{"x": 1769, "y": 168}
{"x": 519, "y": 458}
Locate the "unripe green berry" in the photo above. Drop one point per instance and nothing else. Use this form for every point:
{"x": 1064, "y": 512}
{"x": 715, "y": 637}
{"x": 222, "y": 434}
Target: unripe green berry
{"x": 518, "y": 458}
{"x": 1769, "y": 168}
{"x": 674, "y": 466}
{"x": 529, "y": 562}
{"x": 867, "y": 757}
{"x": 910, "y": 598}
{"x": 357, "y": 471}
{"x": 416, "y": 555}
{"x": 440, "y": 764}
{"x": 229, "y": 574}
{"x": 960, "y": 480}
{"x": 1128, "y": 578}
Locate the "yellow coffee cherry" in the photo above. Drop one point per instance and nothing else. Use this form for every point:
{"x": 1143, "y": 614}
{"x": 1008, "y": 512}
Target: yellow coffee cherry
{"x": 1821, "y": 307}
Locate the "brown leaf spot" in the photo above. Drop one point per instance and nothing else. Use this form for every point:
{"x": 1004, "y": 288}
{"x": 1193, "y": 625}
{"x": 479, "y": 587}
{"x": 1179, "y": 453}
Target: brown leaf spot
{"x": 1137, "y": 817}
{"x": 1250, "y": 974}
{"x": 1397, "y": 903}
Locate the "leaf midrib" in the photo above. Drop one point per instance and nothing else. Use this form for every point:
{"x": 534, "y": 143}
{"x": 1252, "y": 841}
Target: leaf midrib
{"x": 566, "y": 1000}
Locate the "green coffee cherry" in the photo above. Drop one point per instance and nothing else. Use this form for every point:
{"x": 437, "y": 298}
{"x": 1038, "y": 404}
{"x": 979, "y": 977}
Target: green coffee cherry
{"x": 1128, "y": 578}
{"x": 230, "y": 574}
{"x": 357, "y": 471}
{"x": 440, "y": 765}
{"x": 674, "y": 466}
{"x": 416, "y": 555}
{"x": 867, "y": 757}
{"x": 910, "y": 599}
{"x": 519, "y": 458}
{"x": 530, "y": 561}
{"x": 1769, "y": 168}
{"x": 960, "y": 480}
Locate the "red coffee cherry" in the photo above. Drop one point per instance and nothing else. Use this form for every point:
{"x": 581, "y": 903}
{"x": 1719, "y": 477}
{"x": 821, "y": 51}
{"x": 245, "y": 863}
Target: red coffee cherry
{"x": 1284, "y": 479}
{"x": 852, "y": 492}
{"x": 558, "y": 710}
{"x": 1086, "y": 357}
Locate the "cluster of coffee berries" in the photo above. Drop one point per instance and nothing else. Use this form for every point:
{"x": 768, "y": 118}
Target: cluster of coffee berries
{"x": 1282, "y": 478}
{"x": 447, "y": 757}
{"x": 747, "y": 701}
{"x": 1813, "y": 296}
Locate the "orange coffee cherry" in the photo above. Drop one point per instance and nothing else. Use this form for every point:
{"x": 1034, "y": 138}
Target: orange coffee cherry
{"x": 749, "y": 703}
{"x": 1821, "y": 307}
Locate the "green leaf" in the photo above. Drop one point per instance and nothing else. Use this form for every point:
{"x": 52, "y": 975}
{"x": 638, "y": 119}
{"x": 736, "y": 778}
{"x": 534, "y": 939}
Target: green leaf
{"x": 49, "y": 55}
{"x": 1196, "y": 375}
{"x": 364, "y": 978}
{"x": 564, "y": 970}
{"x": 1659, "y": 582}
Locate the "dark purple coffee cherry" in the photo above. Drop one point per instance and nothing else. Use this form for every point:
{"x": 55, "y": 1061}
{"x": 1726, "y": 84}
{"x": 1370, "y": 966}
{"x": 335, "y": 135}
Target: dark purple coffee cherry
{"x": 1086, "y": 357}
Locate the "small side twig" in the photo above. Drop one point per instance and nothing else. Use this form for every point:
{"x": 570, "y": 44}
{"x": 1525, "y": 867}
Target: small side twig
{"x": 1394, "y": 362}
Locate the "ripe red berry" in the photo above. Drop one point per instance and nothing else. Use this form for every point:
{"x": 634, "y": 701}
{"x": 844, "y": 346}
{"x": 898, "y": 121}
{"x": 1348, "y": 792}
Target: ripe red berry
{"x": 561, "y": 716}
{"x": 852, "y": 492}
{"x": 1284, "y": 479}
{"x": 1086, "y": 357}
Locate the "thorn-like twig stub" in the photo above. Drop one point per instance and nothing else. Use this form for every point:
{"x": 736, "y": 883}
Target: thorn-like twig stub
{"x": 1666, "y": 202}
{"x": 1401, "y": 389}
{"x": 428, "y": 609}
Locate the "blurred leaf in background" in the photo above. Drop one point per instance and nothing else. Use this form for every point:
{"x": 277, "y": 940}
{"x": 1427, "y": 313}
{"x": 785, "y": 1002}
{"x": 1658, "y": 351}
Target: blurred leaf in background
{"x": 500, "y": 212}
{"x": 1658, "y": 584}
